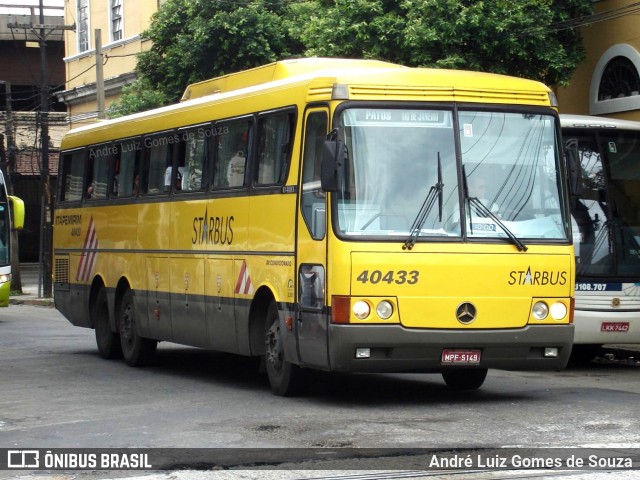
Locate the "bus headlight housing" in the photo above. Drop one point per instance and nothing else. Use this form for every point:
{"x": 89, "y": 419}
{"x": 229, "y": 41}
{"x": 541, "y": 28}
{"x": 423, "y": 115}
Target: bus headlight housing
{"x": 540, "y": 310}
{"x": 361, "y": 309}
{"x": 558, "y": 311}
{"x": 5, "y": 278}
{"x": 384, "y": 309}
{"x": 364, "y": 310}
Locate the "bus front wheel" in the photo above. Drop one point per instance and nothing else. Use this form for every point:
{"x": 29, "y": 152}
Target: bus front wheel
{"x": 107, "y": 340}
{"x": 285, "y": 378}
{"x": 465, "y": 378}
{"x": 137, "y": 350}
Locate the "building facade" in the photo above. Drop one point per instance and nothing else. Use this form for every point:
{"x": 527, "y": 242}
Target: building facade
{"x": 608, "y": 82}
{"x": 120, "y": 24}
{"x": 21, "y": 73}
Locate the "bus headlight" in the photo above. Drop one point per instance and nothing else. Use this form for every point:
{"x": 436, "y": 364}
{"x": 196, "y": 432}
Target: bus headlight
{"x": 558, "y": 311}
{"x": 4, "y": 278}
{"x": 540, "y": 310}
{"x": 361, "y": 309}
{"x": 384, "y": 309}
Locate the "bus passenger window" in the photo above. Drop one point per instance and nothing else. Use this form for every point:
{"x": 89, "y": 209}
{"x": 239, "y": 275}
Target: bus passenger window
{"x": 158, "y": 154}
{"x": 72, "y": 176}
{"x": 193, "y": 160}
{"x": 275, "y": 132}
{"x": 233, "y": 146}
{"x": 100, "y": 157}
{"x": 127, "y": 178}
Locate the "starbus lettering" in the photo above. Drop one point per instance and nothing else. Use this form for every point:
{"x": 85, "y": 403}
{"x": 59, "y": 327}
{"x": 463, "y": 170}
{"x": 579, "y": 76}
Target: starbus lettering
{"x": 537, "y": 277}
{"x": 212, "y": 230}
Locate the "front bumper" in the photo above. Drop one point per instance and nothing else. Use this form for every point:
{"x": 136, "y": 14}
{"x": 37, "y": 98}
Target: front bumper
{"x": 397, "y": 349}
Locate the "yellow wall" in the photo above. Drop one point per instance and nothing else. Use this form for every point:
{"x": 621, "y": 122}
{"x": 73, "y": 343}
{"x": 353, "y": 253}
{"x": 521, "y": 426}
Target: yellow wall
{"x": 598, "y": 38}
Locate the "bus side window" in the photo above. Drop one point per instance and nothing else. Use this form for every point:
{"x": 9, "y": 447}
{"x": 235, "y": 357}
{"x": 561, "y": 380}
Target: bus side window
{"x": 233, "y": 149}
{"x": 127, "y": 176}
{"x": 192, "y": 160}
{"x": 274, "y": 147}
{"x": 99, "y": 157}
{"x": 73, "y": 167}
{"x": 158, "y": 165}
{"x": 313, "y": 198}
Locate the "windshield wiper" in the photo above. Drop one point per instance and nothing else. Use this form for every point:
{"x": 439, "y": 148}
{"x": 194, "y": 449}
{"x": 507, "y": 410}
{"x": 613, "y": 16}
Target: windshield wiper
{"x": 435, "y": 193}
{"x": 486, "y": 212}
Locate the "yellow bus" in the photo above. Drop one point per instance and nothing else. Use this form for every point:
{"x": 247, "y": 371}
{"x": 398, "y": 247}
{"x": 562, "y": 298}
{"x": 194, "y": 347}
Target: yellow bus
{"x": 330, "y": 214}
{"x": 11, "y": 217}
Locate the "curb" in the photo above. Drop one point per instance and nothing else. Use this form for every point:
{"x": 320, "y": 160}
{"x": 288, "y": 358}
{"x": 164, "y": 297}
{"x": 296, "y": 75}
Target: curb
{"x": 39, "y": 302}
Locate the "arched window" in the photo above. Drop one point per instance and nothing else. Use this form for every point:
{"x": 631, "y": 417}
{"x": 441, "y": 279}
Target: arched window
{"x": 619, "y": 79}
{"x": 615, "y": 84}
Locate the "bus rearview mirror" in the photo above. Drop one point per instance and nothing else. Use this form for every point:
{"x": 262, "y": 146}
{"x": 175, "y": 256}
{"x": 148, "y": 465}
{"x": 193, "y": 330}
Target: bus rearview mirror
{"x": 574, "y": 169}
{"x": 332, "y": 160}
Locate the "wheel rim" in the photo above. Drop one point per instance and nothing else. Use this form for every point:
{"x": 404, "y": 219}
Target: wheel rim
{"x": 127, "y": 324}
{"x": 274, "y": 350}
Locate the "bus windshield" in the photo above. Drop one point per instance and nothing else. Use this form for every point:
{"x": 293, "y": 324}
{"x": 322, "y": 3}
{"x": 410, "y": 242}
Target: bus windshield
{"x": 396, "y": 157}
{"x": 606, "y": 207}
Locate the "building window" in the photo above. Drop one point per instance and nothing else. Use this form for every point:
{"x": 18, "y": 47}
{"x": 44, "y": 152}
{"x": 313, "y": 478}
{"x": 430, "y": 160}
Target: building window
{"x": 116, "y": 20}
{"x": 83, "y": 25}
{"x": 620, "y": 79}
{"x": 615, "y": 84}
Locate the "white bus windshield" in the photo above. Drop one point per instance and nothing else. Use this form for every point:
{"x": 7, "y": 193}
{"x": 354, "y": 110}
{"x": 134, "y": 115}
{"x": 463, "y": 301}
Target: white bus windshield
{"x": 395, "y": 157}
{"x": 606, "y": 205}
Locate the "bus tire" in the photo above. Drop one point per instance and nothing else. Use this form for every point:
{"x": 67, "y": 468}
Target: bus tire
{"x": 107, "y": 340}
{"x": 464, "y": 378}
{"x": 285, "y": 378}
{"x": 137, "y": 351}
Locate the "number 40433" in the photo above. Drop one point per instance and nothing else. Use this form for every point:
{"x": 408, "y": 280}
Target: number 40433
{"x": 392, "y": 276}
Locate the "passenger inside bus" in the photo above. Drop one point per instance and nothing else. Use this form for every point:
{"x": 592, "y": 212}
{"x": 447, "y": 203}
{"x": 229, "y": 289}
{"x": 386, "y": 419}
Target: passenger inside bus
{"x": 235, "y": 170}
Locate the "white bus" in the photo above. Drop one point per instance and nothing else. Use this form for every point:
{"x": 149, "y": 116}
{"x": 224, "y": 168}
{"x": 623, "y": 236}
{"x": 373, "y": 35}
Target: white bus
{"x": 603, "y": 156}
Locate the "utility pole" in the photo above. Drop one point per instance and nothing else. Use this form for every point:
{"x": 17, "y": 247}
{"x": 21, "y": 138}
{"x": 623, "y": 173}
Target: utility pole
{"x": 99, "y": 74}
{"x": 42, "y": 31}
{"x": 46, "y": 214}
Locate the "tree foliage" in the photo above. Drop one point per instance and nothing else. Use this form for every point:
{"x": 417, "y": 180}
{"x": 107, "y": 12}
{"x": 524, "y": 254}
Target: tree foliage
{"x": 515, "y": 37}
{"x": 193, "y": 40}
{"x": 137, "y": 97}
{"x": 198, "y": 39}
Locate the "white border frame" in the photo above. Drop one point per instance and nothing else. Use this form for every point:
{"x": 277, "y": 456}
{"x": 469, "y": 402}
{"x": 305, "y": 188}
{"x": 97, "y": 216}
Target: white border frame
{"x": 88, "y": 27}
{"x": 109, "y": 6}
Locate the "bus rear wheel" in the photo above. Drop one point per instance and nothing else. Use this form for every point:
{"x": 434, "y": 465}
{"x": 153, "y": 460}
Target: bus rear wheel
{"x": 137, "y": 350}
{"x": 107, "y": 340}
{"x": 465, "y": 378}
{"x": 285, "y": 378}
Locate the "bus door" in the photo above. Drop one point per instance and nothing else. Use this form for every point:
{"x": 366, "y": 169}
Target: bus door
{"x": 311, "y": 319}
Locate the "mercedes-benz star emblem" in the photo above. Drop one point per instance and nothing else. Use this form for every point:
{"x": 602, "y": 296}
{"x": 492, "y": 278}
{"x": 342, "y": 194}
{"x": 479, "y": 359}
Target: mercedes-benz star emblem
{"x": 466, "y": 313}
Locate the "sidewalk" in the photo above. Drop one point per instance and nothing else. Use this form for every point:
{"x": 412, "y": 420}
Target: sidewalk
{"x": 29, "y": 276}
